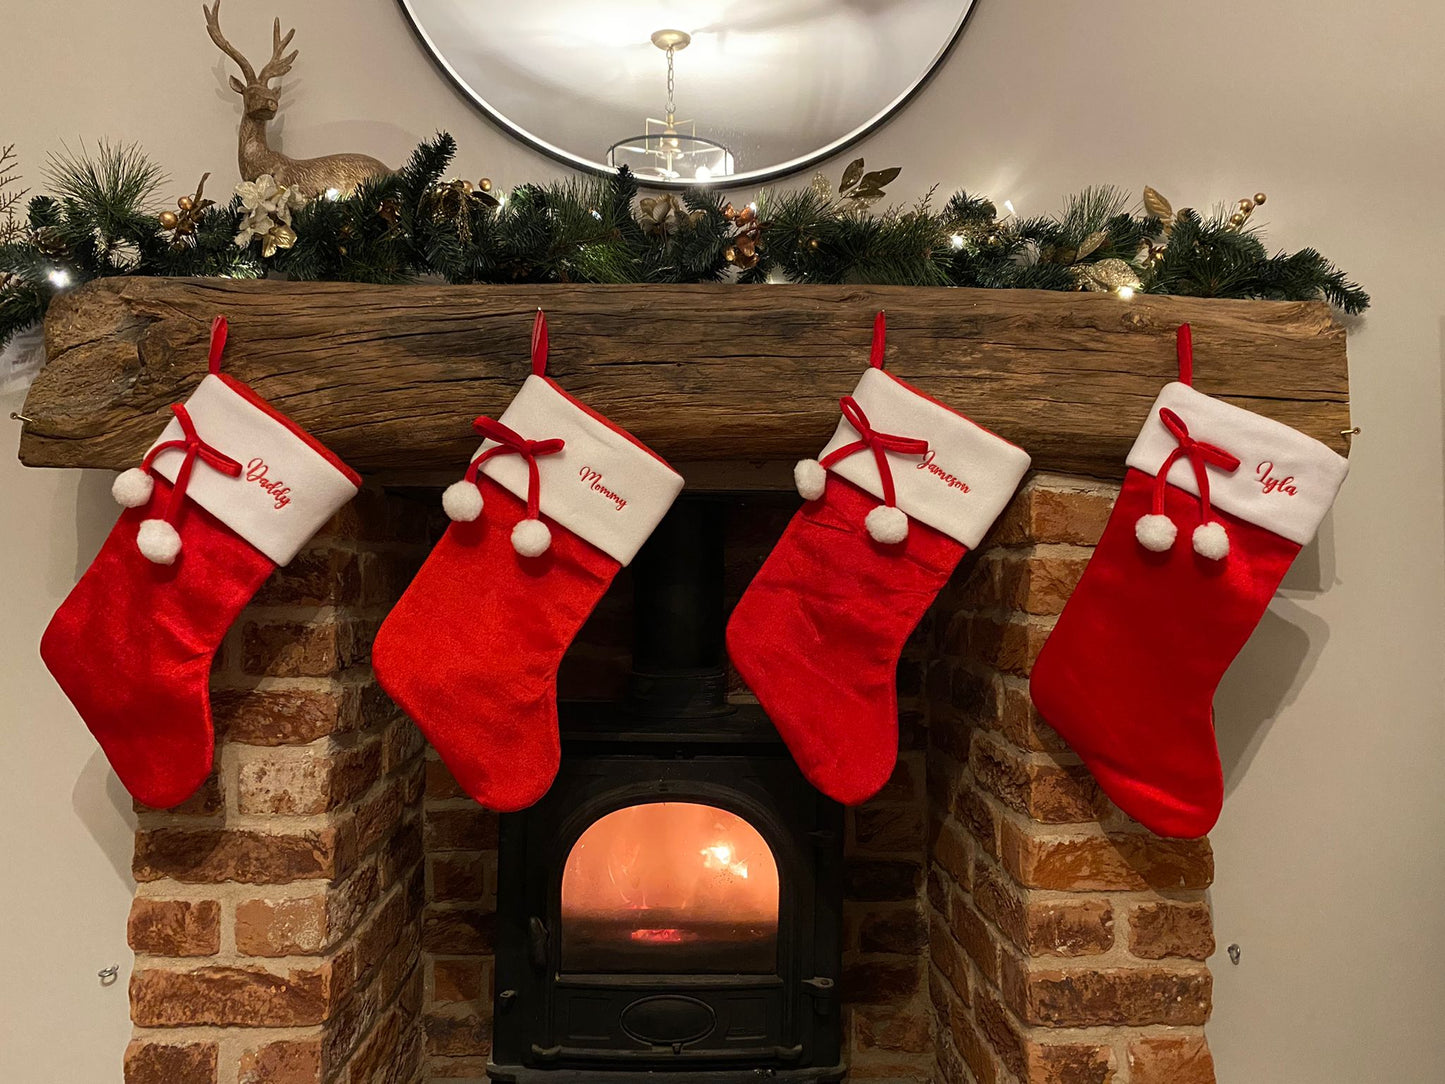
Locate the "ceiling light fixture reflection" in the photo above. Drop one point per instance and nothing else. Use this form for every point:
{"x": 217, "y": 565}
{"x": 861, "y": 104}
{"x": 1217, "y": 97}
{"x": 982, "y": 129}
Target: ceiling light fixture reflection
{"x": 670, "y": 149}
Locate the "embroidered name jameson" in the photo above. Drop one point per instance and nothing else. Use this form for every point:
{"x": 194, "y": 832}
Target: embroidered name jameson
{"x": 950, "y": 480}
{"x": 592, "y": 479}
{"x": 279, "y": 490}
{"x": 1271, "y": 484}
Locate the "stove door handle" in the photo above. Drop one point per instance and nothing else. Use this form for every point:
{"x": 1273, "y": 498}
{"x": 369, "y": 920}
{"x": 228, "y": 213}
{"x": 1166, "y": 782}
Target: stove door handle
{"x": 537, "y": 942}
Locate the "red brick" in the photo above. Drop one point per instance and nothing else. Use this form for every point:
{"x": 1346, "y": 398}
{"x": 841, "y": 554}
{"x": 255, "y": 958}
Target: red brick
{"x": 467, "y": 828}
{"x": 1003, "y": 1034}
{"x": 1107, "y": 997}
{"x": 440, "y": 783}
{"x": 1020, "y": 722}
{"x": 1157, "y": 930}
{"x": 874, "y": 982}
{"x": 899, "y": 930}
{"x": 974, "y": 811}
{"x": 1122, "y": 861}
{"x": 209, "y": 856}
{"x": 1054, "y": 510}
{"x": 281, "y": 716}
{"x": 459, "y": 931}
{"x": 459, "y": 876}
{"x": 457, "y": 980}
{"x": 282, "y": 927}
{"x": 229, "y": 997}
{"x": 1044, "y": 791}
{"x": 174, "y": 927}
{"x": 952, "y": 850}
{"x": 302, "y": 649}
{"x": 290, "y": 1061}
{"x": 977, "y": 1054}
{"x": 1171, "y": 1060}
{"x": 321, "y": 576}
{"x": 1068, "y": 1063}
{"x": 947, "y": 955}
{"x": 170, "y": 1063}
{"x": 458, "y": 1031}
{"x": 291, "y": 781}
{"x": 1043, "y": 927}
{"x": 976, "y": 938}
{"x": 877, "y": 880}
{"x": 888, "y": 829}
{"x": 1011, "y": 644}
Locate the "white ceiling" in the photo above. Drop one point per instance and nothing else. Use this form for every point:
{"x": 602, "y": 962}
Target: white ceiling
{"x": 775, "y": 79}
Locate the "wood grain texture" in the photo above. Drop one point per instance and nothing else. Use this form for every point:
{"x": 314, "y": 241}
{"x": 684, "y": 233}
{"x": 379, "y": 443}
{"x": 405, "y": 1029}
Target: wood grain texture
{"x": 391, "y": 377}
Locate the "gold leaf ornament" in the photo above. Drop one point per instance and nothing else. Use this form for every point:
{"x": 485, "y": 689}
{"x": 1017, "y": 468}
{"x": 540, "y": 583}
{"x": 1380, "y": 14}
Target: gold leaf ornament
{"x": 851, "y": 175}
{"x": 1090, "y": 244}
{"x": 1157, "y": 205}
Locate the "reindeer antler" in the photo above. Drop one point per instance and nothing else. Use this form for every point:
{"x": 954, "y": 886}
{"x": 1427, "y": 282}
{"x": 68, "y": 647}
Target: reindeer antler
{"x": 278, "y": 64}
{"x": 213, "y": 27}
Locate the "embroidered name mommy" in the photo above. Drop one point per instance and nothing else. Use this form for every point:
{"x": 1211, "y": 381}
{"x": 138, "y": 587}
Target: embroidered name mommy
{"x": 1264, "y": 473}
{"x": 280, "y": 492}
{"x": 592, "y": 479}
{"x": 952, "y": 481}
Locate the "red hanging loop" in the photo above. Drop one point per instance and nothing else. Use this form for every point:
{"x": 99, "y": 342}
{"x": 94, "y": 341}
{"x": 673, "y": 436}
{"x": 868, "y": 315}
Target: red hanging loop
{"x": 1184, "y": 347}
{"x": 879, "y": 443}
{"x": 539, "y": 344}
{"x": 880, "y": 335}
{"x": 194, "y": 448}
{"x": 510, "y": 442}
{"x": 1200, "y": 454}
{"x": 218, "y": 342}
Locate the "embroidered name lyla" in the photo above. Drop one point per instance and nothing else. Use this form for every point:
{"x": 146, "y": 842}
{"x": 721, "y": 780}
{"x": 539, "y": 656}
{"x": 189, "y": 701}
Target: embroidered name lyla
{"x": 1271, "y": 484}
{"x": 592, "y": 479}
{"x": 950, "y": 480}
{"x": 279, "y": 490}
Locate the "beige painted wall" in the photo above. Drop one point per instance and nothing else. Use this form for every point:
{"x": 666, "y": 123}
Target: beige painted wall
{"x": 1330, "y": 869}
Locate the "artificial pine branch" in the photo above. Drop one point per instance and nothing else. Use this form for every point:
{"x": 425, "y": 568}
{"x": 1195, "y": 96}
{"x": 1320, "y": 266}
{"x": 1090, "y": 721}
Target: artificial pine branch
{"x": 396, "y": 227}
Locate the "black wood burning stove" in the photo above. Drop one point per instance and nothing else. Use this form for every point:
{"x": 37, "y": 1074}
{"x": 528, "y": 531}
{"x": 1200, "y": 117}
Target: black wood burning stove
{"x": 671, "y": 910}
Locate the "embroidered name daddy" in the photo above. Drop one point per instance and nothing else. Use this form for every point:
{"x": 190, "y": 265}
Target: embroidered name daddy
{"x": 592, "y": 479}
{"x": 279, "y": 491}
{"x": 952, "y": 481}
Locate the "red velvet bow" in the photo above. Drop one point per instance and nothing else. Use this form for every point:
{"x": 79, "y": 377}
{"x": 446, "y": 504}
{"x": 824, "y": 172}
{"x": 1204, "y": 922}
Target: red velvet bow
{"x": 195, "y": 448}
{"x": 1200, "y": 455}
{"x": 510, "y": 442}
{"x": 880, "y": 443}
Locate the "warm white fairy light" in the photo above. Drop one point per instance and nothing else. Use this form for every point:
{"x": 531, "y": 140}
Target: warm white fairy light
{"x": 59, "y": 278}
{"x": 1008, "y": 205}
{"x": 1126, "y": 292}
{"x": 333, "y": 194}
{"x": 956, "y": 240}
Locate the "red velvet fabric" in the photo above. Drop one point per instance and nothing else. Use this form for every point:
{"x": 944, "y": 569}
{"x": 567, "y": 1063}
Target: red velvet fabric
{"x": 818, "y": 632}
{"x": 1128, "y": 674}
{"x": 132, "y": 646}
{"x": 471, "y": 650}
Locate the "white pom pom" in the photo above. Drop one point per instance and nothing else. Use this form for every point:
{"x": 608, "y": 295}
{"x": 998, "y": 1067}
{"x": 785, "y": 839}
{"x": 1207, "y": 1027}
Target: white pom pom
{"x": 530, "y": 538}
{"x": 1211, "y": 540}
{"x": 132, "y": 488}
{"x": 887, "y": 525}
{"x": 811, "y": 478}
{"x": 158, "y": 542}
{"x": 1155, "y": 532}
{"x": 462, "y": 501}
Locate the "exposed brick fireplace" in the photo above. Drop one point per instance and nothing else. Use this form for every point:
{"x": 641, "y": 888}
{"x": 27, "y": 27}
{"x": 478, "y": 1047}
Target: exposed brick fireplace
{"x": 324, "y": 910}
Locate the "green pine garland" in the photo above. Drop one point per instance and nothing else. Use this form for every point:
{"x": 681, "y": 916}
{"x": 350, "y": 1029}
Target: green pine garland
{"x": 401, "y": 226}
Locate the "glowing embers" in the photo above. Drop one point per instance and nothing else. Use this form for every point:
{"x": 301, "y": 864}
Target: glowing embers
{"x": 670, "y": 887}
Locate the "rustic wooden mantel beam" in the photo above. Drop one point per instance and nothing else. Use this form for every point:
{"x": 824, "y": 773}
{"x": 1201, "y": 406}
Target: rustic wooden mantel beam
{"x": 391, "y": 377}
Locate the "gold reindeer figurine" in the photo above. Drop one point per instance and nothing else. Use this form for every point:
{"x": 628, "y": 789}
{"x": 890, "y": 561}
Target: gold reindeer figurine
{"x": 311, "y": 176}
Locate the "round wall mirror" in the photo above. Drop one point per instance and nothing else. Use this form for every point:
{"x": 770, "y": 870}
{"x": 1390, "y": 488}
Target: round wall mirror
{"x": 691, "y": 91}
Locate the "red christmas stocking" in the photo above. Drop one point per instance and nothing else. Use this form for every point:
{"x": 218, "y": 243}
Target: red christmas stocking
{"x": 230, "y": 490}
{"x": 1128, "y": 675}
{"x": 818, "y": 632}
{"x": 555, "y": 502}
